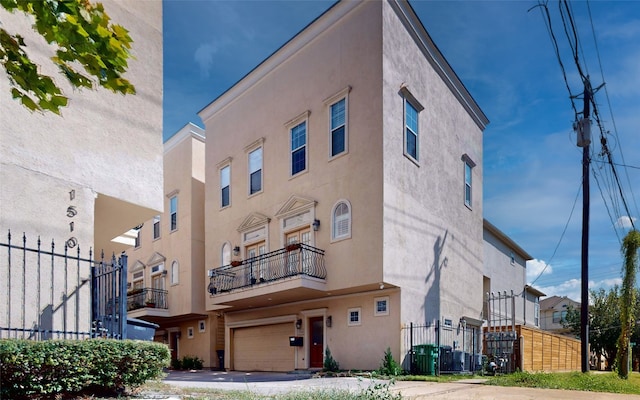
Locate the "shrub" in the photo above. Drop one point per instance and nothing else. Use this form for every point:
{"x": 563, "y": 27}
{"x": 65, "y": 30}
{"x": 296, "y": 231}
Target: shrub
{"x": 389, "y": 366}
{"x": 191, "y": 362}
{"x": 330, "y": 365}
{"x": 46, "y": 368}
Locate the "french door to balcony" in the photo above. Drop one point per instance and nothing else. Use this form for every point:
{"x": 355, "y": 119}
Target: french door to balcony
{"x": 297, "y": 263}
{"x": 258, "y": 267}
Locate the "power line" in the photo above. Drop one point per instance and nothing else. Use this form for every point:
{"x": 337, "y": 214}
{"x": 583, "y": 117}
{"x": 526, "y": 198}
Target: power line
{"x": 561, "y": 236}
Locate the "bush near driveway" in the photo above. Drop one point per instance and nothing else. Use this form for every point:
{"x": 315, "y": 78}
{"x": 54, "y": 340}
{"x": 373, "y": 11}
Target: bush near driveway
{"x": 37, "y": 369}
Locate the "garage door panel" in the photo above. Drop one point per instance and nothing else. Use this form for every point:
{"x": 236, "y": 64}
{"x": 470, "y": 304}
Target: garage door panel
{"x": 263, "y": 348}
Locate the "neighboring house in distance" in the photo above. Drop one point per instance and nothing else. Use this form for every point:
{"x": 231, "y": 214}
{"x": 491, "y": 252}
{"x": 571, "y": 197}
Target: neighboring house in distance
{"x": 344, "y": 196}
{"x": 553, "y": 311}
{"x": 505, "y": 264}
{"x": 166, "y": 266}
{"x": 82, "y": 178}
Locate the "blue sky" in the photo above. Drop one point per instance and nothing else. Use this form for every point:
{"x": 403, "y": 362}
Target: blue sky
{"x": 503, "y": 53}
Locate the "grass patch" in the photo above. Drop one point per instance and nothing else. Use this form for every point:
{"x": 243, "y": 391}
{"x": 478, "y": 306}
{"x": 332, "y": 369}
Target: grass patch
{"x": 592, "y": 382}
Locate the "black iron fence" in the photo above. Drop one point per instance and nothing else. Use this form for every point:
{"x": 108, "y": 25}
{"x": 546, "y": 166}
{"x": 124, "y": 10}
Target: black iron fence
{"x": 432, "y": 349}
{"x": 295, "y": 259}
{"x": 60, "y": 295}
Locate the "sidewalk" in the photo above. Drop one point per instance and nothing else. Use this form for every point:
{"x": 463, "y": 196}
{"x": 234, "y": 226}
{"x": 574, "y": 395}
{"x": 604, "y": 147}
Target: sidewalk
{"x": 272, "y": 383}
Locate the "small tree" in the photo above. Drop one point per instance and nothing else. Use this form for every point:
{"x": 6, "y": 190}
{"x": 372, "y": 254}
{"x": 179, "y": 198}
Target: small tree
{"x": 630, "y": 246}
{"x": 330, "y": 365}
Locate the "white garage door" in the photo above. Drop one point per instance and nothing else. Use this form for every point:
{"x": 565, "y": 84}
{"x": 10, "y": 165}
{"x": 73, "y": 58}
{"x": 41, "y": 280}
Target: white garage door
{"x": 263, "y": 348}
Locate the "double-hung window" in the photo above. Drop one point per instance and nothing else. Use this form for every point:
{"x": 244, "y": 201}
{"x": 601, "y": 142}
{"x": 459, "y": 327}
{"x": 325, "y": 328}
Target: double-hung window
{"x": 225, "y": 186}
{"x": 156, "y": 227}
{"x": 338, "y": 118}
{"x": 299, "y": 148}
{"x": 467, "y": 184}
{"x": 173, "y": 211}
{"x": 468, "y": 180}
{"x": 255, "y": 171}
{"x": 412, "y": 109}
{"x": 411, "y": 130}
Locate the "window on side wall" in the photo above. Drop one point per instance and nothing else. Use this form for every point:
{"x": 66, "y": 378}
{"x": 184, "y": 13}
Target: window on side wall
{"x": 536, "y": 312}
{"x": 225, "y": 186}
{"x": 468, "y": 165}
{"x": 156, "y": 227}
{"x": 412, "y": 109}
{"x": 173, "y": 210}
{"x": 255, "y": 171}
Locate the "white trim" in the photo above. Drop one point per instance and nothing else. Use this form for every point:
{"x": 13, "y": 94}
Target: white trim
{"x": 202, "y": 326}
{"x": 190, "y": 332}
{"x": 262, "y": 321}
{"x": 173, "y": 282}
{"x": 189, "y": 130}
{"x": 359, "y": 311}
{"x": 333, "y": 210}
{"x": 377, "y": 313}
{"x": 343, "y": 94}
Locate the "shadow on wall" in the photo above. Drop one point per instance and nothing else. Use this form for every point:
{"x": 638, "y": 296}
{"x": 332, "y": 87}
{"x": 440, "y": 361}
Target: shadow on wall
{"x": 431, "y": 304}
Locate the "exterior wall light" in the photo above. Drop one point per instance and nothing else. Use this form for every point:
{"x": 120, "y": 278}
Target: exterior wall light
{"x": 298, "y": 323}
{"x": 236, "y": 251}
{"x": 316, "y": 224}
{"x": 328, "y": 321}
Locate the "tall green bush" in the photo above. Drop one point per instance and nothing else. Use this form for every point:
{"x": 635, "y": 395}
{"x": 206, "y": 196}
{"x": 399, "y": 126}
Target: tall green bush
{"x": 46, "y": 368}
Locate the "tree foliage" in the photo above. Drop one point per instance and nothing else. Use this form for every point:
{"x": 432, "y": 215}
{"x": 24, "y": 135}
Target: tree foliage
{"x": 604, "y": 322}
{"x": 630, "y": 246}
{"x": 82, "y": 35}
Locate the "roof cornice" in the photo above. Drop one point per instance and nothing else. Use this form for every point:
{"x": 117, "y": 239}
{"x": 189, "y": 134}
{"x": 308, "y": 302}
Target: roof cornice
{"x": 280, "y": 56}
{"x": 431, "y": 52}
{"x": 506, "y": 240}
{"x": 189, "y": 130}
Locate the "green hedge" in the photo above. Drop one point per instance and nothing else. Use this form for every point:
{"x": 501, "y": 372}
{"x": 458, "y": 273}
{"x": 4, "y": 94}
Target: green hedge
{"x": 44, "y": 368}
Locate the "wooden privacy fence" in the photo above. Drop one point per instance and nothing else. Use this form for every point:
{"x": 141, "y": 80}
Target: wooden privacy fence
{"x": 539, "y": 350}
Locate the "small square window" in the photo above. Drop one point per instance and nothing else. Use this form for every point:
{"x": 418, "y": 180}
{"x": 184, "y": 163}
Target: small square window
{"x": 381, "y": 306}
{"x": 201, "y": 326}
{"x": 353, "y": 315}
{"x": 190, "y": 332}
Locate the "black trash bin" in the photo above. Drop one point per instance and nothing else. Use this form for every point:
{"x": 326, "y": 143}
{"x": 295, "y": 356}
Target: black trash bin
{"x": 138, "y": 329}
{"x": 220, "y": 354}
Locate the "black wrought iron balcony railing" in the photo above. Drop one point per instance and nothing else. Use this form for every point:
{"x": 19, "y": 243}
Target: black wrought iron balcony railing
{"x": 295, "y": 259}
{"x": 146, "y": 297}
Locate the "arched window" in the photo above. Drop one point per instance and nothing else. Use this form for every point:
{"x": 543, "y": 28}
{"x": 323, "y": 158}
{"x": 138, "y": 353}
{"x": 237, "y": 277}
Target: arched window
{"x": 175, "y": 273}
{"x": 226, "y": 254}
{"x": 341, "y": 220}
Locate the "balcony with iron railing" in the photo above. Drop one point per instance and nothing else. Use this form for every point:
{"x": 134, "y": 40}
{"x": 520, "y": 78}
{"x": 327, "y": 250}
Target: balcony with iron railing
{"x": 146, "y": 298}
{"x": 296, "y": 261}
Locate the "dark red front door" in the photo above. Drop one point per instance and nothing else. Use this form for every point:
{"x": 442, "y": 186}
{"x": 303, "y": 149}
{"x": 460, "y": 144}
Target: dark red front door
{"x": 316, "y": 327}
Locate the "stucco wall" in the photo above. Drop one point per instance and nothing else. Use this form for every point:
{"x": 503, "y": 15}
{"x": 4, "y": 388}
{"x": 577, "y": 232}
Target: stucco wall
{"x": 102, "y": 144}
{"x": 346, "y": 55}
{"x": 432, "y": 240}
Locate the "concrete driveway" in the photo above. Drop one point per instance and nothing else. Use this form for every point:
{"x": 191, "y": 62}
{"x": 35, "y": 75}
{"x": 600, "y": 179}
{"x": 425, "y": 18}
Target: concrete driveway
{"x": 272, "y": 383}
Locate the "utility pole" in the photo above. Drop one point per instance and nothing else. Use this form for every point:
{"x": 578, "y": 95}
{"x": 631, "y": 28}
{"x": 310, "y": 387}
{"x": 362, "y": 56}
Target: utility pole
{"x": 583, "y": 129}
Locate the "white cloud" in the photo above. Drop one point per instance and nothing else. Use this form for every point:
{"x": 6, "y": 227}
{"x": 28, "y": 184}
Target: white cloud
{"x": 203, "y": 56}
{"x": 536, "y": 268}
{"x": 625, "y": 222}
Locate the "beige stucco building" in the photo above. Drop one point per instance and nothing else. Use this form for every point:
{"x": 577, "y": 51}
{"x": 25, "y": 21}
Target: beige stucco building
{"x": 357, "y": 144}
{"x": 166, "y": 265}
{"x": 89, "y": 175}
